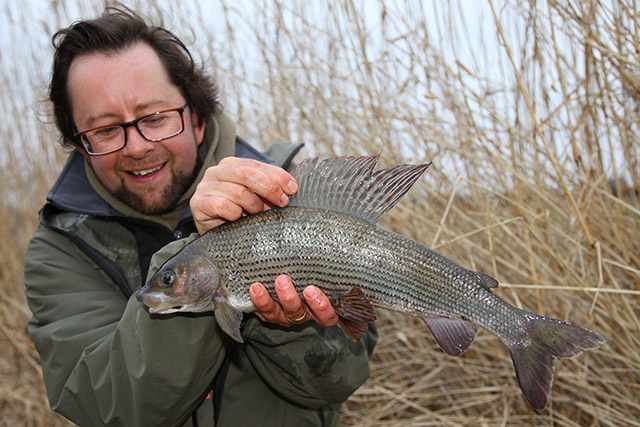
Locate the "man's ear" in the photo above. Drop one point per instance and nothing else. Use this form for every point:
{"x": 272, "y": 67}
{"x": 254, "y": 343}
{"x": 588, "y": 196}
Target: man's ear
{"x": 198, "y": 127}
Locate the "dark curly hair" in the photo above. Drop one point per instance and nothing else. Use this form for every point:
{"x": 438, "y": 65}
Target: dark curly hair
{"x": 117, "y": 29}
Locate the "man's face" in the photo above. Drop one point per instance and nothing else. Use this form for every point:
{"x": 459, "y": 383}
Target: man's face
{"x": 118, "y": 87}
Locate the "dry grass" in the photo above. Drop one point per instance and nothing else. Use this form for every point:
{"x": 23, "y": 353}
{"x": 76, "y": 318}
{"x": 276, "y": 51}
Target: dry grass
{"x": 527, "y": 111}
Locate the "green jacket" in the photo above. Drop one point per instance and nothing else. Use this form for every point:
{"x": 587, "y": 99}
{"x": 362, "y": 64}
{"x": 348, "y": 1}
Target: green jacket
{"x": 107, "y": 361}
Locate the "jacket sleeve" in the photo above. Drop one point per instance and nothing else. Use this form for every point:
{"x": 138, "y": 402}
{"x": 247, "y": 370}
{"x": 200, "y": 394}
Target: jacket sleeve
{"x": 308, "y": 364}
{"x": 105, "y": 360}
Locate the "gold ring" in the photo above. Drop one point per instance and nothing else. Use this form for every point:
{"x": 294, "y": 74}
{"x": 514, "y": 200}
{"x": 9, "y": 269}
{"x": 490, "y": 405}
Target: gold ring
{"x": 299, "y": 319}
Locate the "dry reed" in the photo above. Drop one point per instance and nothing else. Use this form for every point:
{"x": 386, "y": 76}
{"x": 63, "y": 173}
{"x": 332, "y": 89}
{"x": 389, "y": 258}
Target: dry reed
{"x": 530, "y": 113}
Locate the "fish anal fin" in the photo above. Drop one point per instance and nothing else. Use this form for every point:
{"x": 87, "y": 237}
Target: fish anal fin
{"x": 355, "y": 311}
{"x": 454, "y": 336}
{"x": 228, "y": 319}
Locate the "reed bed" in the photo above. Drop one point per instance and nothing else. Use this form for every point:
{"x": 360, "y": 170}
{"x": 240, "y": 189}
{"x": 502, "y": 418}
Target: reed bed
{"x": 530, "y": 112}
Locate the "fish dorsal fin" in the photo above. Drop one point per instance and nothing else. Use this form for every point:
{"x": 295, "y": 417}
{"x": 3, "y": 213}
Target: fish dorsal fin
{"x": 349, "y": 185}
{"x": 454, "y": 336}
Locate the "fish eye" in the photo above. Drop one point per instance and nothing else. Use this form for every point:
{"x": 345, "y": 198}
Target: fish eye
{"x": 168, "y": 277}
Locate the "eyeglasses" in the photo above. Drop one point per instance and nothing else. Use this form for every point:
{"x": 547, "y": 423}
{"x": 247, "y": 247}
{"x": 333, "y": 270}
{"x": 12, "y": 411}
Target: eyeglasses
{"x": 153, "y": 127}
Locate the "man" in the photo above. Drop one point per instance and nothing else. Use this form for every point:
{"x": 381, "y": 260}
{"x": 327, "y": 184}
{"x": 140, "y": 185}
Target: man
{"x": 152, "y": 163}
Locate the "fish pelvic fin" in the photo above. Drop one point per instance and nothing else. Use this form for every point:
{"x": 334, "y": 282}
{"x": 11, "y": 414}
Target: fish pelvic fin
{"x": 355, "y": 311}
{"x": 454, "y": 336}
{"x": 353, "y": 330}
{"x": 349, "y": 185}
{"x": 229, "y": 319}
{"x": 533, "y": 356}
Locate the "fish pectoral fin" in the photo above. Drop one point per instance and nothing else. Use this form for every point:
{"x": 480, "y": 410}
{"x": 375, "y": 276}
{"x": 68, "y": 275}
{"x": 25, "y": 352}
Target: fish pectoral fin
{"x": 228, "y": 319}
{"x": 454, "y": 336}
{"x": 355, "y": 311}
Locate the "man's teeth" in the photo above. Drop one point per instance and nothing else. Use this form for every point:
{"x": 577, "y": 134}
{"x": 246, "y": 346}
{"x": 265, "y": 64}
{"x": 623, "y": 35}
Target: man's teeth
{"x": 146, "y": 172}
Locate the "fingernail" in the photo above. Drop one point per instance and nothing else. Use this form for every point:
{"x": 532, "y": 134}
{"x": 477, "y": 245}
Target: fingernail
{"x": 256, "y": 289}
{"x": 312, "y": 292}
{"x": 292, "y": 186}
{"x": 284, "y": 200}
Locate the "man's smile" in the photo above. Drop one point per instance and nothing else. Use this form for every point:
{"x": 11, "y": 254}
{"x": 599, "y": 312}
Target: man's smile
{"x": 146, "y": 172}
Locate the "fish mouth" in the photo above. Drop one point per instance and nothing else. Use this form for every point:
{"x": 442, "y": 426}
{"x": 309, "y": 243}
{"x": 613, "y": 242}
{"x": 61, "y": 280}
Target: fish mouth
{"x": 168, "y": 307}
{"x": 159, "y": 303}
{"x": 160, "y": 310}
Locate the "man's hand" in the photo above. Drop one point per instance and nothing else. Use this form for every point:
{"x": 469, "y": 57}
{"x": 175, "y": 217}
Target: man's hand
{"x": 292, "y": 310}
{"x": 236, "y": 186}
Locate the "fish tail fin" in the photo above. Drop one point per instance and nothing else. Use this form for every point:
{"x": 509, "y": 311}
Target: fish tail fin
{"x": 544, "y": 340}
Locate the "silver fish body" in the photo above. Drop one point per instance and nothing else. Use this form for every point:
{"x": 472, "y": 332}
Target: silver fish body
{"x": 327, "y": 237}
{"x": 337, "y": 252}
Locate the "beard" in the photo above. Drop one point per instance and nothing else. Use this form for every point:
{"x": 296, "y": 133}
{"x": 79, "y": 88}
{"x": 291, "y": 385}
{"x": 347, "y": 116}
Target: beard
{"x": 180, "y": 183}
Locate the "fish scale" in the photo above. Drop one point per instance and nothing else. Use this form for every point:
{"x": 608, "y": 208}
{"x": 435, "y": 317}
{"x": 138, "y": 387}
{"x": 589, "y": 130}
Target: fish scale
{"x": 327, "y": 236}
{"x": 352, "y": 257}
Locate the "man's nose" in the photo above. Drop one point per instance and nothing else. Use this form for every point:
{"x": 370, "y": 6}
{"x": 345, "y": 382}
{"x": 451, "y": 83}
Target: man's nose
{"x": 137, "y": 146}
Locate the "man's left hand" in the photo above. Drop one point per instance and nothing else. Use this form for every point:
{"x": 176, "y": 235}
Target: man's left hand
{"x": 292, "y": 309}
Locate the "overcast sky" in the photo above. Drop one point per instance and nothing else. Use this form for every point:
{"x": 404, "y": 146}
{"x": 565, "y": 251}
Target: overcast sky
{"x": 26, "y": 53}
{"x": 26, "y": 28}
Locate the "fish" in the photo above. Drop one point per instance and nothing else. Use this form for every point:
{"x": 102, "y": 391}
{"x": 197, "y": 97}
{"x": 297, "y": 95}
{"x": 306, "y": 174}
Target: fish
{"x": 328, "y": 236}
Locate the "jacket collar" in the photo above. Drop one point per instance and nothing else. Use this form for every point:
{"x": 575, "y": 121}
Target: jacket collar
{"x": 73, "y": 192}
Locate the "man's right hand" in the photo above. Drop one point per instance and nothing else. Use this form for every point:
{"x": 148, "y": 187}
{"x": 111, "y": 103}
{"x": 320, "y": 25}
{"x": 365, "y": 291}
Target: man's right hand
{"x": 237, "y": 186}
